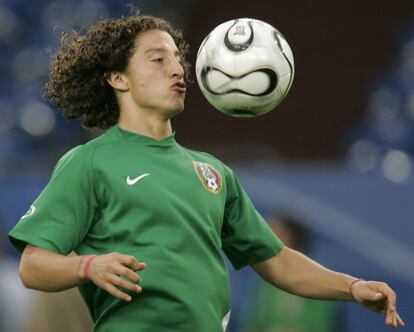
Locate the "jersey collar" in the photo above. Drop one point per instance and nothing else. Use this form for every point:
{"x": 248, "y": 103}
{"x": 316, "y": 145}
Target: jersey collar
{"x": 145, "y": 140}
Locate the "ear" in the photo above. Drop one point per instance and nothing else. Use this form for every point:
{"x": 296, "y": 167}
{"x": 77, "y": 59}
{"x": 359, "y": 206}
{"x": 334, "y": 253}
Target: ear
{"x": 118, "y": 81}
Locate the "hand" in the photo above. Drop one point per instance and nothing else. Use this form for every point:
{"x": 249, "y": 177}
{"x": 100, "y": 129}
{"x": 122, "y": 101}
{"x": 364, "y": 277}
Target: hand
{"x": 109, "y": 271}
{"x": 378, "y": 297}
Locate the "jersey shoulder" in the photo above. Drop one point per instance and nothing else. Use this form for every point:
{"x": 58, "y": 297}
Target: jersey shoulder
{"x": 83, "y": 154}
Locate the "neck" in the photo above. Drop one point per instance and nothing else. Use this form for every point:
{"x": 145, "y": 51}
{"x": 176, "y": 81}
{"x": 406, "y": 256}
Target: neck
{"x": 154, "y": 126}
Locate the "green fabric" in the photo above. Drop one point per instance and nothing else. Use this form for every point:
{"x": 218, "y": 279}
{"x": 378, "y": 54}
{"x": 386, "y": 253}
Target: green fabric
{"x": 169, "y": 219}
{"x": 270, "y": 309}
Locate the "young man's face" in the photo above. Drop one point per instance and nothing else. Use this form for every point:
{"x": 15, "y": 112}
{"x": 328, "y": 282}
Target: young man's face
{"x": 154, "y": 74}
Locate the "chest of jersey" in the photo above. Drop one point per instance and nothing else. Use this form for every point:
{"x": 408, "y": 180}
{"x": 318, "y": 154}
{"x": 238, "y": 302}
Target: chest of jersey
{"x": 160, "y": 193}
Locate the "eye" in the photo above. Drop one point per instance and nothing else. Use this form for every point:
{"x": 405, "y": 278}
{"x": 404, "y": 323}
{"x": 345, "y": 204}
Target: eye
{"x": 158, "y": 60}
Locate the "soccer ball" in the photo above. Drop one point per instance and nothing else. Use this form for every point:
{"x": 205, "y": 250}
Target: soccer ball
{"x": 245, "y": 67}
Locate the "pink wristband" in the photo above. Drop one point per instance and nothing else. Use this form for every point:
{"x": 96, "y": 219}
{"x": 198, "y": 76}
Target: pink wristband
{"x": 87, "y": 266}
{"x": 79, "y": 264}
{"x": 353, "y": 283}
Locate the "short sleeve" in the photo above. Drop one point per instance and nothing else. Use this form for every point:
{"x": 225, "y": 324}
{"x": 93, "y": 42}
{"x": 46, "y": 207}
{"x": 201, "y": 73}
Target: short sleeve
{"x": 246, "y": 236}
{"x": 62, "y": 214}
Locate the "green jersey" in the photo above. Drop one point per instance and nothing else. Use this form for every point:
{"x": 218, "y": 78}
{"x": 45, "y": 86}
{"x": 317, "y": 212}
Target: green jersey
{"x": 170, "y": 207}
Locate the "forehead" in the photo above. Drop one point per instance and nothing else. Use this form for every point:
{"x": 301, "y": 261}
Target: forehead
{"x": 155, "y": 39}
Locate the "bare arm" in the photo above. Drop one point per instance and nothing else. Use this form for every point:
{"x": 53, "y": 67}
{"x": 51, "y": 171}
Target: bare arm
{"x": 48, "y": 271}
{"x": 300, "y": 275}
{"x": 296, "y": 273}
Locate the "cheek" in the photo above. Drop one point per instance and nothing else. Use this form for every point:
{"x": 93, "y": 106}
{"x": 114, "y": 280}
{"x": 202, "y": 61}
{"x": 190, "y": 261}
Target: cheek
{"x": 145, "y": 82}
{"x": 139, "y": 85}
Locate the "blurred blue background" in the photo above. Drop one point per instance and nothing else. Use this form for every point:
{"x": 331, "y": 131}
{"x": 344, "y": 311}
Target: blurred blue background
{"x": 337, "y": 153}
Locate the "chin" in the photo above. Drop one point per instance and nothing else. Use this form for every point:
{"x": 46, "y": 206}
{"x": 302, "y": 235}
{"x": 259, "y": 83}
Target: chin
{"x": 176, "y": 110}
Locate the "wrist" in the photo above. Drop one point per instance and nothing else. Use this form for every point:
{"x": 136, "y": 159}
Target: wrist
{"x": 351, "y": 287}
{"x": 84, "y": 266}
{"x": 79, "y": 267}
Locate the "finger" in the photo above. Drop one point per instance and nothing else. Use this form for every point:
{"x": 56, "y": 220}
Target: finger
{"x": 111, "y": 289}
{"x": 400, "y": 322}
{"x": 394, "y": 321}
{"x": 391, "y": 307}
{"x": 390, "y": 316}
{"x": 391, "y": 300}
{"x": 131, "y": 275}
{"x": 141, "y": 266}
{"x": 132, "y": 262}
{"x": 118, "y": 281}
{"x": 388, "y": 319}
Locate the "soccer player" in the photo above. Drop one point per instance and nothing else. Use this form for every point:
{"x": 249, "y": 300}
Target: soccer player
{"x": 147, "y": 217}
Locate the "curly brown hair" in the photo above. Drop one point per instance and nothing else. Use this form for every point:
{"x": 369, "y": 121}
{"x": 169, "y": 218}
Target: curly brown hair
{"x": 78, "y": 73}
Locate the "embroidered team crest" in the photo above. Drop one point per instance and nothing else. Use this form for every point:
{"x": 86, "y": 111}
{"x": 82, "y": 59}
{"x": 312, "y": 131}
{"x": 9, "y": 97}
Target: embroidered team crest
{"x": 209, "y": 176}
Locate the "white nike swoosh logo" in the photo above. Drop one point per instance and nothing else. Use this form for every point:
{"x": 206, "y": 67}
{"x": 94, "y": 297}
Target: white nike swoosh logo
{"x": 135, "y": 180}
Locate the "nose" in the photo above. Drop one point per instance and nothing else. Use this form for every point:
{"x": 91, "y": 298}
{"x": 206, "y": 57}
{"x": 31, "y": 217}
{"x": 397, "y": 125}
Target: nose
{"x": 177, "y": 69}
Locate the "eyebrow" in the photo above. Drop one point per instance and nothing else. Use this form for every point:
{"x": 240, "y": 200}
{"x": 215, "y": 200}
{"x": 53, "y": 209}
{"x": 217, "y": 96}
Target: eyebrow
{"x": 162, "y": 50}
